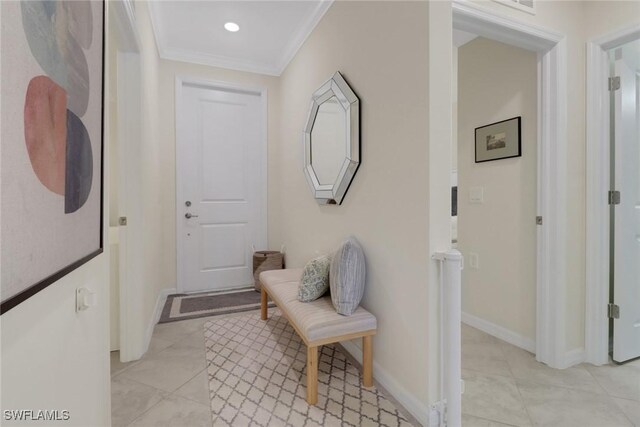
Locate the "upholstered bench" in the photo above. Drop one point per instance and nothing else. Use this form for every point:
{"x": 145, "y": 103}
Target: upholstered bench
{"x": 317, "y": 323}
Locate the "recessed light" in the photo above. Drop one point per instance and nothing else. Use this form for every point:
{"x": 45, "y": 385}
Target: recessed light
{"x": 231, "y": 26}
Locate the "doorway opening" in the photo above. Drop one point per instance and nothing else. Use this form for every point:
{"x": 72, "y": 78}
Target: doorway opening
{"x": 495, "y": 166}
{"x": 551, "y": 203}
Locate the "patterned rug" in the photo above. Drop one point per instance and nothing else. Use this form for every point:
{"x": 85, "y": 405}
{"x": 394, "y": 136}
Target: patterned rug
{"x": 257, "y": 377}
{"x": 191, "y": 306}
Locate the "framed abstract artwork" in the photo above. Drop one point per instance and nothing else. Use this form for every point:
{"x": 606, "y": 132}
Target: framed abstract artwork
{"x": 51, "y": 147}
{"x": 499, "y": 140}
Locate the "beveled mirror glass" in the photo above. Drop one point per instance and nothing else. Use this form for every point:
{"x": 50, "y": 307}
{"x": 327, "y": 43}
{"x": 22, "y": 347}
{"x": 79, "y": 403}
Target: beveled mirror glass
{"x": 332, "y": 140}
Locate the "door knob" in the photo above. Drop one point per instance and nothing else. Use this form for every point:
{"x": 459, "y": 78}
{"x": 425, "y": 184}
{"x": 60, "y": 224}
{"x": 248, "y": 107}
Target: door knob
{"x": 189, "y": 215}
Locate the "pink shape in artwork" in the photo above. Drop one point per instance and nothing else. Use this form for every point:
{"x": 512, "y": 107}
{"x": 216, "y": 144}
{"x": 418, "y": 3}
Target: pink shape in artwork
{"x": 45, "y": 131}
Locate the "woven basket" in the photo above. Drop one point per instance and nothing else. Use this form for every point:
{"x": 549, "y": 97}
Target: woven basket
{"x": 264, "y": 261}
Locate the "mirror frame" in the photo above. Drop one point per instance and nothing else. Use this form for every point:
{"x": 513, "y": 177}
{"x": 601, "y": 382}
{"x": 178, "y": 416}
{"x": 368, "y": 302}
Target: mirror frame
{"x": 333, "y": 194}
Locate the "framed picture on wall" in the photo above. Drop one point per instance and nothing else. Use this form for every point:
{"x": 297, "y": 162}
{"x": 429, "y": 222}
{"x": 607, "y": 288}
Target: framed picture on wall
{"x": 499, "y": 140}
{"x": 51, "y": 142}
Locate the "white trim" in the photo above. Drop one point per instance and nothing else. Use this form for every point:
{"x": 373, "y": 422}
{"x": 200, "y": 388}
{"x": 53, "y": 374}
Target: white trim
{"x": 515, "y": 4}
{"x": 129, "y": 115}
{"x": 127, "y": 31}
{"x": 260, "y": 91}
{"x": 157, "y": 313}
{"x": 597, "y": 209}
{"x": 552, "y": 235}
{"x": 499, "y": 332}
{"x": 276, "y": 68}
{"x": 297, "y": 40}
{"x": 175, "y": 54}
{"x": 552, "y": 165}
{"x": 575, "y": 356}
{"x": 472, "y": 18}
{"x": 411, "y": 403}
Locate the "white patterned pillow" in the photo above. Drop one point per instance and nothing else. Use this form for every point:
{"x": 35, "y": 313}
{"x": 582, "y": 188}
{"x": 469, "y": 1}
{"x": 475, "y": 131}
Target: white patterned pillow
{"x": 347, "y": 279}
{"x": 315, "y": 279}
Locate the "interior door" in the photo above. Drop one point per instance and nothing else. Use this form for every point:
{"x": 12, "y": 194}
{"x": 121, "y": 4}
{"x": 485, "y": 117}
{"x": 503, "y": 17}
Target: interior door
{"x": 626, "y": 214}
{"x": 221, "y": 186}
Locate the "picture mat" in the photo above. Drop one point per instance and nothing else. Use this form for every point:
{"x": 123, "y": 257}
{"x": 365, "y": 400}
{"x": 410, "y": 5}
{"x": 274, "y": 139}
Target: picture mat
{"x": 37, "y": 239}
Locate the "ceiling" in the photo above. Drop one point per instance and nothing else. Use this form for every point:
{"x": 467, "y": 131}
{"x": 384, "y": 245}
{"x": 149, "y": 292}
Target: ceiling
{"x": 271, "y": 32}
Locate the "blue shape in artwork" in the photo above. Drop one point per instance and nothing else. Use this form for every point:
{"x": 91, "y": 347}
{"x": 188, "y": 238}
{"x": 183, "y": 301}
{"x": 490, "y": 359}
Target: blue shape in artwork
{"x": 79, "y": 164}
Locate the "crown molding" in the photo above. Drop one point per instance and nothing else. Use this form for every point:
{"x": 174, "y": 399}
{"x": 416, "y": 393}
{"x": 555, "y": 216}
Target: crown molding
{"x": 218, "y": 61}
{"x": 303, "y": 33}
{"x": 275, "y": 68}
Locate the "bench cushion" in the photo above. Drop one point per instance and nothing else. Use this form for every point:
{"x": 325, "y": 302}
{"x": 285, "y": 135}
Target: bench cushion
{"x": 316, "y": 320}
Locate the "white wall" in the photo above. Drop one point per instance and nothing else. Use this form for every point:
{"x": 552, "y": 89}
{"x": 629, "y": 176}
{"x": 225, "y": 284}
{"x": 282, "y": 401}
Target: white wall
{"x": 381, "y": 48}
{"x": 54, "y": 358}
{"x": 497, "y": 82}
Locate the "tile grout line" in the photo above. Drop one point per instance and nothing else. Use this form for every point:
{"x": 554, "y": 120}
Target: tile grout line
{"x": 144, "y": 412}
{"x": 621, "y": 410}
{"x": 515, "y": 381}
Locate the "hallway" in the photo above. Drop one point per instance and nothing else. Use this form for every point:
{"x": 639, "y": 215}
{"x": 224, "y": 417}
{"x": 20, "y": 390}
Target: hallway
{"x": 505, "y": 385}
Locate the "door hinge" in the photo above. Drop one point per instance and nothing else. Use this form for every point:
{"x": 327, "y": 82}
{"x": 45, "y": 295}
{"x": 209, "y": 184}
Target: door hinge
{"x": 538, "y": 220}
{"x": 122, "y": 220}
{"x": 614, "y": 197}
{"x": 613, "y": 311}
{"x": 614, "y": 83}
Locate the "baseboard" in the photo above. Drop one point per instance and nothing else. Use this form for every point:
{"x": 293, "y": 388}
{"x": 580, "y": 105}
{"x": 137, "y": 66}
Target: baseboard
{"x": 162, "y": 298}
{"x": 499, "y": 332}
{"x": 411, "y": 403}
{"x": 574, "y": 357}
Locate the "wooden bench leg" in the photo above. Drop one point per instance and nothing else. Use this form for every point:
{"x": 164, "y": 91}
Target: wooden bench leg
{"x": 367, "y": 361}
{"x": 264, "y": 304}
{"x": 312, "y": 375}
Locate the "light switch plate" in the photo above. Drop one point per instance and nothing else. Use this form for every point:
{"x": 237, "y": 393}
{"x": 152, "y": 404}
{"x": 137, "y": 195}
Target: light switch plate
{"x": 474, "y": 260}
{"x": 476, "y": 195}
{"x": 85, "y": 298}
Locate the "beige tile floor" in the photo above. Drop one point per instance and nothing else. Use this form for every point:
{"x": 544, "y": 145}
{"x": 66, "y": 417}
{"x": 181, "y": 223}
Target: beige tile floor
{"x": 505, "y": 385}
{"x": 168, "y": 386}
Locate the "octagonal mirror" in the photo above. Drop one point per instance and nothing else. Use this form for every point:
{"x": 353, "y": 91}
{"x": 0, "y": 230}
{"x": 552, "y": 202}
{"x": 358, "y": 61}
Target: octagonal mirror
{"x": 332, "y": 141}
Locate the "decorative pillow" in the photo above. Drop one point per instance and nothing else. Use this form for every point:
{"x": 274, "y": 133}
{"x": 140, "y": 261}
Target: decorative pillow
{"x": 347, "y": 277}
{"x": 315, "y": 279}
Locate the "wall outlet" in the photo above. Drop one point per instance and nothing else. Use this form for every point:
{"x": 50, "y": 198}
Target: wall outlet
{"x": 474, "y": 260}
{"x": 476, "y": 195}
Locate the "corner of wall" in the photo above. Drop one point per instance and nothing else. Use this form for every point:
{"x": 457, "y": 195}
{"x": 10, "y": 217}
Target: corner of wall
{"x": 155, "y": 318}
{"x": 411, "y": 403}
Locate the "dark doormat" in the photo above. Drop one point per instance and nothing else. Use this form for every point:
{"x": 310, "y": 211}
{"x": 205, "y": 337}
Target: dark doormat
{"x": 191, "y": 306}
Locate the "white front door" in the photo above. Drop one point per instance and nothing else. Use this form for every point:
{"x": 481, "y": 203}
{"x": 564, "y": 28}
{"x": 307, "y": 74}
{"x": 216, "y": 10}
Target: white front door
{"x": 626, "y": 214}
{"x": 221, "y": 185}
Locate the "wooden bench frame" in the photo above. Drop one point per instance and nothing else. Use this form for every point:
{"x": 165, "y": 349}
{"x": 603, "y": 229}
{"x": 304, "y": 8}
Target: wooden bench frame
{"x": 312, "y": 350}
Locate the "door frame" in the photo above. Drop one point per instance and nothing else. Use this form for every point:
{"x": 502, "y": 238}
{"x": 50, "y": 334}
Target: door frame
{"x": 261, "y": 91}
{"x": 128, "y": 134}
{"x": 597, "y": 185}
{"x": 551, "y": 270}
{"x": 551, "y": 265}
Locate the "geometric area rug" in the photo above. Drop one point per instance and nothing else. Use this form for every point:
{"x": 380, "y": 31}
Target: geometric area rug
{"x": 257, "y": 377}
